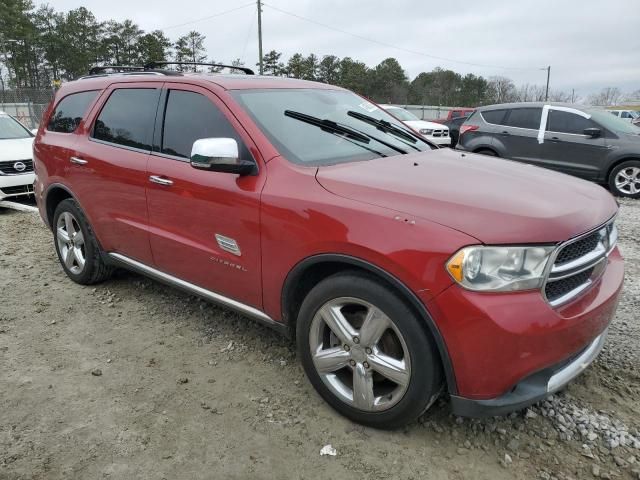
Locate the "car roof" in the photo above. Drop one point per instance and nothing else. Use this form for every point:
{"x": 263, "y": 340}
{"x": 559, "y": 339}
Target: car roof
{"x": 225, "y": 81}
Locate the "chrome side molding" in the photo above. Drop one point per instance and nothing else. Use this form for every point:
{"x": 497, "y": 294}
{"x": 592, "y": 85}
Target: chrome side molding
{"x": 194, "y": 289}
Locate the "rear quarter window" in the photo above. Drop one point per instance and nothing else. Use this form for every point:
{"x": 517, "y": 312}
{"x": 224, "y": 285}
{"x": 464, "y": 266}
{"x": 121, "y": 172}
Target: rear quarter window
{"x": 494, "y": 116}
{"x": 524, "y": 118}
{"x": 70, "y": 111}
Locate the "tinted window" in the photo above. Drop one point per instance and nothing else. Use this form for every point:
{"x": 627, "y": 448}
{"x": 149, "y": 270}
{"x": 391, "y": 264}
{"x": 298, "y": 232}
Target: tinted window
{"x": 626, "y": 115}
{"x": 190, "y": 116}
{"x": 566, "y": 122}
{"x": 494, "y": 116}
{"x": 127, "y": 118}
{"x": 524, "y": 118}
{"x": 67, "y": 115}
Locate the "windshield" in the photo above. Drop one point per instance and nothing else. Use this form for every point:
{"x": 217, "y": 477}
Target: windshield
{"x": 323, "y": 127}
{"x": 11, "y": 129}
{"x": 402, "y": 114}
{"x": 611, "y": 122}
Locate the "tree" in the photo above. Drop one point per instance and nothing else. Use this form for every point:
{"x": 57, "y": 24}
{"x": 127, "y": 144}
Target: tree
{"x": 353, "y": 75}
{"x": 609, "y": 96}
{"x": 190, "y": 48}
{"x": 295, "y": 66}
{"x": 501, "y": 90}
{"x": 153, "y": 46}
{"x": 329, "y": 69}
{"x": 80, "y": 33}
{"x": 271, "y": 64}
{"x": 311, "y": 65}
{"x": 389, "y": 83}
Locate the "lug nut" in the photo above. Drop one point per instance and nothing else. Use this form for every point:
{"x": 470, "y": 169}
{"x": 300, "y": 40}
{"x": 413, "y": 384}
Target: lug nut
{"x": 346, "y": 348}
{"x": 352, "y": 363}
{"x": 356, "y": 340}
{"x": 368, "y": 350}
{"x": 365, "y": 364}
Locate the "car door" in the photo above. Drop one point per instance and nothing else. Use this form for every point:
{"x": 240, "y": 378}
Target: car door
{"x": 110, "y": 167}
{"x": 205, "y": 225}
{"x": 519, "y": 134}
{"x": 566, "y": 148}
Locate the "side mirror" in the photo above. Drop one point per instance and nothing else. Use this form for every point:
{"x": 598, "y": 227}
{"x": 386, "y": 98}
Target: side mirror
{"x": 220, "y": 155}
{"x": 592, "y": 132}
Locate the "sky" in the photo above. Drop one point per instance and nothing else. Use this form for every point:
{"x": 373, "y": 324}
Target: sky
{"x": 589, "y": 44}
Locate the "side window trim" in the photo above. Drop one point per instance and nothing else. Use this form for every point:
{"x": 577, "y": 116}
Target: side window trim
{"x": 107, "y": 93}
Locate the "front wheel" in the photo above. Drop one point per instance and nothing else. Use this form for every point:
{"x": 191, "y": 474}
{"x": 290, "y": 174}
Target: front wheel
{"x": 366, "y": 352}
{"x": 624, "y": 180}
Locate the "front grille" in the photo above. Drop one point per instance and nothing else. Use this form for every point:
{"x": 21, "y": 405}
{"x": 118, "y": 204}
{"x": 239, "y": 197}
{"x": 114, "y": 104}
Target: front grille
{"x": 8, "y": 167}
{"x": 578, "y": 249}
{"x": 559, "y": 288}
{"x": 17, "y": 190}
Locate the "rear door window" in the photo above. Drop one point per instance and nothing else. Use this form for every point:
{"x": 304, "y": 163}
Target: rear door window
{"x": 567, "y": 122}
{"x": 190, "y": 116}
{"x": 127, "y": 118}
{"x": 69, "y": 112}
{"x": 524, "y": 118}
{"x": 494, "y": 116}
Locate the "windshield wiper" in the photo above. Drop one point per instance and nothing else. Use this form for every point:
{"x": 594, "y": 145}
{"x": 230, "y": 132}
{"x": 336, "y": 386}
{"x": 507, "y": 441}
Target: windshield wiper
{"x": 387, "y": 127}
{"x": 336, "y": 128}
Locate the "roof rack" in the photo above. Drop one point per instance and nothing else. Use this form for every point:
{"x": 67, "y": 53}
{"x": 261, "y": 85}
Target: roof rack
{"x": 116, "y": 68}
{"x": 154, "y": 65}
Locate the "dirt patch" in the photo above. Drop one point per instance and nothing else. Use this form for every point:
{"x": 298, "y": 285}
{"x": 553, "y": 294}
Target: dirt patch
{"x": 132, "y": 379}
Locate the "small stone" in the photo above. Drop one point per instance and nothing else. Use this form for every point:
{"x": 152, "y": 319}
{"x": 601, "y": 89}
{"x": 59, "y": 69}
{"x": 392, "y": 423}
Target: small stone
{"x": 513, "y": 445}
{"x": 530, "y": 414}
{"x": 183, "y": 380}
{"x": 591, "y": 436}
{"x": 506, "y": 461}
{"x": 108, "y": 360}
{"x": 619, "y": 461}
{"x": 96, "y": 372}
{"x": 595, "y": 471}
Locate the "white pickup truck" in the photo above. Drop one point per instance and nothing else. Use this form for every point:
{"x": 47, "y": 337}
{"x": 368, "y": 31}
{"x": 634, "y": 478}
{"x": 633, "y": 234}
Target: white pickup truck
{"x": 631, "y": 116}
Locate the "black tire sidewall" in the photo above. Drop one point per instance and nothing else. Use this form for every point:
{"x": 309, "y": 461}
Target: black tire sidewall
{"x": 90, "y": 245}
{"x": 612, "y": 179}
{"x": 426, "y": 370}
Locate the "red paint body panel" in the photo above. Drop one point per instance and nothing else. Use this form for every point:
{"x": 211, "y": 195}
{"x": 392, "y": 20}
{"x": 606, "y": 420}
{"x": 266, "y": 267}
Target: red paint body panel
{"x": 406, "y": 215}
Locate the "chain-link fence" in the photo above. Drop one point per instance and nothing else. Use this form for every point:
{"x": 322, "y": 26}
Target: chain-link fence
{"x": 27, "y": 104}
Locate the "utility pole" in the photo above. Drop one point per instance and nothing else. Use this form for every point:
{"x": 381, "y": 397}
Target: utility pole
{"x": 546, "y": 95}
{"x": 260, "y": 34}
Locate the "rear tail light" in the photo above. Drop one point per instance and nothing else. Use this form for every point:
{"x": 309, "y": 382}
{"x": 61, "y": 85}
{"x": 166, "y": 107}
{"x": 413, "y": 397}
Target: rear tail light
{"x": 467, "y": 128}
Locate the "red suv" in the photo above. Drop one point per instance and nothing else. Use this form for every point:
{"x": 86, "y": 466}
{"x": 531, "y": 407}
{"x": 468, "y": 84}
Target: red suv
{"x": 400, "y": 269}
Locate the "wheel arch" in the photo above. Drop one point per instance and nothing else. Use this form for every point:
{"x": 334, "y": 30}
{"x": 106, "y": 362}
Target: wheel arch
{"x": 485, "y": 147}
{"x": 55, "y": 194}
{"x": 312, "y": 270}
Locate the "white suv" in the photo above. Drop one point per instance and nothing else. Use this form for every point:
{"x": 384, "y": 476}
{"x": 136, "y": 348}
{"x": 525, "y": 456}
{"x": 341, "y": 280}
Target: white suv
{"x": 16, "y": 153}
{"x": 434, "y": 132}
{"x": 630, "y": 116}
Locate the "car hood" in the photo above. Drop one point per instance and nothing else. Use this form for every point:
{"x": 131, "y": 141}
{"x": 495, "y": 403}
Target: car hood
{"x": 16, "y": 149}
{"x": 418, "y": 124}
{"x": 494, "y": 200}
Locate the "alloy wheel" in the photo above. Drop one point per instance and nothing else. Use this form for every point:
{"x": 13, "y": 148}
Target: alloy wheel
{"x": 359, "y": 354}
{"x": 71, "y": 243}
{"x": 628, "y": 180}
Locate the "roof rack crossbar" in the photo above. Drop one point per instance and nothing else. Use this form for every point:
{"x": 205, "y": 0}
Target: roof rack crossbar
{"x": 154, "y": 65}
{"x": 118, "y": 68}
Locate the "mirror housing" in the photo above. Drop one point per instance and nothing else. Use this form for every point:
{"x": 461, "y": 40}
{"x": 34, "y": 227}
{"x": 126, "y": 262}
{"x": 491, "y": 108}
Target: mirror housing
{"x": 592, "y": 132}
{"x": 220, "y": 155}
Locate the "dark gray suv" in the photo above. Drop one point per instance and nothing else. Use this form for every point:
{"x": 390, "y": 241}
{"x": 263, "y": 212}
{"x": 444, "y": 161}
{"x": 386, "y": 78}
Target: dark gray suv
{"x": 583, "y": 141}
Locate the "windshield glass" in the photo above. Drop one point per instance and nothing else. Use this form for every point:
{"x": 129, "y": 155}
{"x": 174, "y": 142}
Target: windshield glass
{"x": 301, "y": 136}
{"x": 11, "y": 129}
{"x": 611, "y": 122}
{"x": 402, "y": 114}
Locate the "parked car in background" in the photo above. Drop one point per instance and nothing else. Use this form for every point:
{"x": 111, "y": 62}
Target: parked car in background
{"x": 586, "y": 142}
{"x": 400, "y": 269}
{"x": 455, "y": 113}
{"x": 16, "y": 165}
{"x": 434, "y": 132}
{"x": 630, "y": 116}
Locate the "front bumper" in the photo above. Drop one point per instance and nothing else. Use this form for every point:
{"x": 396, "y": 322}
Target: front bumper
{"x": 15, "y": 185}
{"x": 509, "y": 350}
{"x": 440, "y": 141}
{"x": 532, "y": 389}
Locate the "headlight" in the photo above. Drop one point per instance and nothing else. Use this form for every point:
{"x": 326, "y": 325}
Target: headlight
{"x": 612, "y": 237}
{"x": 426, "y": 131}
{"x": 500, "y": 268}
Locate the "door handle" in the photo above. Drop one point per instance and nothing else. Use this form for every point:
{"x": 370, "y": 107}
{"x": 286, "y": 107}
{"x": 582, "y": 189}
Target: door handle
{"x": 160, "y": 180}
{"x": 78, "y": 161}
{"x": 504, "y": 132}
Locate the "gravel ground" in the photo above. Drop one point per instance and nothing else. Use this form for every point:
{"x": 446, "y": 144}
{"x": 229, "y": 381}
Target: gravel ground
{"x": 131, "y": 379}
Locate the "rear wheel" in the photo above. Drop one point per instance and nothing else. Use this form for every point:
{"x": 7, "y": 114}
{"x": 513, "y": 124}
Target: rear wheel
{"x": 366, "y": 352}
{"x": 487, "y": 152}
{"x": 76, "y": 245}
{"x": 624, "y": 179}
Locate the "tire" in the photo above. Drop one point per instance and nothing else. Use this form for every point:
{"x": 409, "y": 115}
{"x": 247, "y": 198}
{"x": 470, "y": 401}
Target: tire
{"x": 487, "y": 152}
{"x": 624, "y": 179}
{"x": 404, "y": 351}
{"x": 78, "y": 251}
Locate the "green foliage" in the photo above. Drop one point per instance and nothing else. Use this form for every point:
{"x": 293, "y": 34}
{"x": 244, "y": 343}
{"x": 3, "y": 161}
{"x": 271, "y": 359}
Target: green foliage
{"x": 271, "y": 64}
